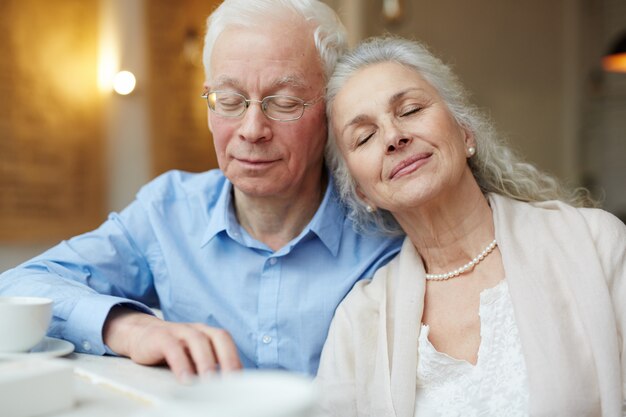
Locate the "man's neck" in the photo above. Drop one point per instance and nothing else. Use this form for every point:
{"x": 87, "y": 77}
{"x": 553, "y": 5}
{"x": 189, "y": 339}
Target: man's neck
{"x": 276, "y": 220}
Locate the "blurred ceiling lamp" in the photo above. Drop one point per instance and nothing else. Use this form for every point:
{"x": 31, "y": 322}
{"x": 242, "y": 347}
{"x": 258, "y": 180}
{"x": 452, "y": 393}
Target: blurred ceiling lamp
{"x": 392, "y": 10}
{"x": 615, "y": 60}
{"x": 124, "y": 82}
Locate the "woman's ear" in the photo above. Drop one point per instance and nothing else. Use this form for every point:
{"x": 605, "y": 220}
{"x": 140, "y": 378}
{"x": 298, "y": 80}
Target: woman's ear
{"x": 359, "y": 193}
{"x": 469, "y": 142}
{"x": 468, "y": 138}
{"x": 370, "y": 207}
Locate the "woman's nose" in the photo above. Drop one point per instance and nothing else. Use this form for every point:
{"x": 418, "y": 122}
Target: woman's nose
{"x": 400, "y": 143}
{"x": 395, "y": 139}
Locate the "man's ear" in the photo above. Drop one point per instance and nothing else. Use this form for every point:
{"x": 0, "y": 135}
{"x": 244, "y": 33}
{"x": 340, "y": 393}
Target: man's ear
{"x": 205, "y": 89}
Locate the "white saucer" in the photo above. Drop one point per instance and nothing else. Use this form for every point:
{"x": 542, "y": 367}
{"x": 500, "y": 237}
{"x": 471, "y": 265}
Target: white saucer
{"x": 49, "y": 347}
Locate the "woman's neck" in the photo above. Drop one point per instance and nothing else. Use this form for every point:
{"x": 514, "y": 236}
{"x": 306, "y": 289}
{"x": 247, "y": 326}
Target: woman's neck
{"x": 451, "y": 230}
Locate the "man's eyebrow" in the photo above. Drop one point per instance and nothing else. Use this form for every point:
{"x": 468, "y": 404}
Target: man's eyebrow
{"x": 225, "y": 81}
{"x": 289, "y": 81}
{"x": 292, "y": 81}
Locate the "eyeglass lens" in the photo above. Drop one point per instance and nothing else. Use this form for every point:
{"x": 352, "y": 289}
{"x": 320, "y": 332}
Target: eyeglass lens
{"x": 230, "y": 104}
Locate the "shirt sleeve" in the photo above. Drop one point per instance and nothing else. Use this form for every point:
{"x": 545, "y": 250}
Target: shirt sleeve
{"x": 89, "y": 274}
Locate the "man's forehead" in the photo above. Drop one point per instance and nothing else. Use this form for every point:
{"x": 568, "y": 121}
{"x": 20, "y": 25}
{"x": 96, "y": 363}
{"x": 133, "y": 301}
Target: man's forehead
{"x": 271, "y": 43}
{"x": 265, "y": 59}
{"x": 289, "y": 80}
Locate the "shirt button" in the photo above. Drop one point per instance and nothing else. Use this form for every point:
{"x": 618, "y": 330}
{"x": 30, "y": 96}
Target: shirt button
{"x": 267, "y": 338}
{"x": 86, "y": 346}
{"x": 273, "y": 261}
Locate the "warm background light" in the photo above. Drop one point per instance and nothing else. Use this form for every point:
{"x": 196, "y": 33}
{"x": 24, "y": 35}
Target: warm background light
{"x": 614, "y": 63}
{"x": 124, "y": 82}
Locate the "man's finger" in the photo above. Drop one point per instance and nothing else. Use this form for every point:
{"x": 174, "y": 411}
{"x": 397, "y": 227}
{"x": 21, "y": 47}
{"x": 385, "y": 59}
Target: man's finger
{"x": 177, "y": 358}
{"x": 224, "y": 347}
{"x": 201, "y": 352}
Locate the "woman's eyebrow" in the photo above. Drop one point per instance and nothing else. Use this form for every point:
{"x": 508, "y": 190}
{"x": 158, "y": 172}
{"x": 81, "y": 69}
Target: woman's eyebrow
{"x": 392, "y": 100}
{"x": 400, "y": 94}
{"x": 355, "y": 121}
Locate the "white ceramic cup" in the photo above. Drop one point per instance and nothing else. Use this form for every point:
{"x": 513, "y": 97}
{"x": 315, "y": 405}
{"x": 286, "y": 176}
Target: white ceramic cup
{"x": 23, "y": 322}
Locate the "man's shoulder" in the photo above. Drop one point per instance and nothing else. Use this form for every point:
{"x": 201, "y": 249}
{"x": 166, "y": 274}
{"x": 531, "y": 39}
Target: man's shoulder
{"x": 177, "y": 185}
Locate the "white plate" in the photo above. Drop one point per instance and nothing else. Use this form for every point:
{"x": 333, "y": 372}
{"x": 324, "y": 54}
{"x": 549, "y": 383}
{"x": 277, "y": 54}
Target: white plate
{"x": 267, "y": 393}
{"x": 49, "y": 347}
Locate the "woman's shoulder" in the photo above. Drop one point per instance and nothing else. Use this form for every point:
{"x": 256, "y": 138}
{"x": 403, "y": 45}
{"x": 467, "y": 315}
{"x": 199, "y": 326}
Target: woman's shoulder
{"x": 608, "y": 233}
{"x": 603, "y": 227}
{"x": 557, "y": 208}
{"x": 599, "y": 221}
{"x": 598, "y": 218}
{"x": 369, "y": 294}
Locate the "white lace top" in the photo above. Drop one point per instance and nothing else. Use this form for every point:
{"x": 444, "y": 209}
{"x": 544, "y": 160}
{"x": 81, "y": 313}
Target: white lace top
{"x": 496, "y": 386}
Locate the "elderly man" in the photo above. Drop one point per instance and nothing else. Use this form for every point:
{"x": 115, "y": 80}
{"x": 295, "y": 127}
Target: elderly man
{"x": 256, "y": 255}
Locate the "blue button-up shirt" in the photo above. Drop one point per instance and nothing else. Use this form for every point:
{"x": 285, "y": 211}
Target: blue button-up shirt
{"x": 178, "y": 247}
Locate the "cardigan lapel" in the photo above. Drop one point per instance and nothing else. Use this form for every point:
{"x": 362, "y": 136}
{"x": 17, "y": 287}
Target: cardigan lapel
{"x": 405, "y": 305}
{"x": 548, "y": 259}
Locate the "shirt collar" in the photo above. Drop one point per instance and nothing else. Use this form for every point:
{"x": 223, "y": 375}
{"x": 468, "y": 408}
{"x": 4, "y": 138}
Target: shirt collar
{"x": 327, "y": 223}
{"x": 222, "y": 217}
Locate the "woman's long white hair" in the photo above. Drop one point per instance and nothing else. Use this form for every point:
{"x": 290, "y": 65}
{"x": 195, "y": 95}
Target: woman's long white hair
{"x": 495, "y": 166}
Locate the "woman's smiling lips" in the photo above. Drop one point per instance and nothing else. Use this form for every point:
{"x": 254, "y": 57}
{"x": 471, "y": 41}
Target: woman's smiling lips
{"x": 409, "y": 165}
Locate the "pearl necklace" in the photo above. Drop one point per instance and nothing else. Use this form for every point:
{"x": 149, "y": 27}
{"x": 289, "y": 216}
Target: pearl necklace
{"x": 467, "y": 267}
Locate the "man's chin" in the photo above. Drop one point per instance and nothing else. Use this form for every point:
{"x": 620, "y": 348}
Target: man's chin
{"x": 258, "y": 187}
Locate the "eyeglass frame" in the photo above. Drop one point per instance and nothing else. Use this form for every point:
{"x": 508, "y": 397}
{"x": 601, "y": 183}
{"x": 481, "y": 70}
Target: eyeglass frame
{"x": 248, "y": 101}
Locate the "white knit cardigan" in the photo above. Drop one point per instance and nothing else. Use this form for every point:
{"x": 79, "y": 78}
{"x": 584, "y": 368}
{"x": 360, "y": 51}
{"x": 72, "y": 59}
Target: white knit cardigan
{"x": 566, "y": 271}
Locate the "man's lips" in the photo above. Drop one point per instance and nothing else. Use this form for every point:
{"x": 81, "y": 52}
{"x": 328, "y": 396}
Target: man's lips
{"x": 258, "y": 162}
{"x": 409, "y": 165}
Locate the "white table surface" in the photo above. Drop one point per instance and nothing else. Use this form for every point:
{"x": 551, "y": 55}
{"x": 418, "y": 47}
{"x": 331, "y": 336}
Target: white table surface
{"x": 107, "y": 386}
{"x": 117, "y": 387}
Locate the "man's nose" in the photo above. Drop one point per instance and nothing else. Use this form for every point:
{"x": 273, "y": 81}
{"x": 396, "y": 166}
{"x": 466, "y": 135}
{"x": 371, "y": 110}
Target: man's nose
{"x": 255, "y": 126}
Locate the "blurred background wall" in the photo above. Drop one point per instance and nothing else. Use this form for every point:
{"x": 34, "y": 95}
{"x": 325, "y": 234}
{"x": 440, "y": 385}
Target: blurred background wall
{"x": 72, "y": 150}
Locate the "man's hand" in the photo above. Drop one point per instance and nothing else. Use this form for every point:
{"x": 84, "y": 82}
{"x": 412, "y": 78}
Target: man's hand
{"x": 186, "y": 348}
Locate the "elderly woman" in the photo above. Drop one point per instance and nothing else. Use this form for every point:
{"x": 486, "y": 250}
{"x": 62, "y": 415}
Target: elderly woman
{"x": 507, "y": 299}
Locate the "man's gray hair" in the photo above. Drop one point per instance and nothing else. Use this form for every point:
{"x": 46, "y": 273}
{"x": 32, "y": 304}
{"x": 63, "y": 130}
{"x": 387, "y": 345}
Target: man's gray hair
{"x": 495, "y": 166}
{"x": 328, "y": 32}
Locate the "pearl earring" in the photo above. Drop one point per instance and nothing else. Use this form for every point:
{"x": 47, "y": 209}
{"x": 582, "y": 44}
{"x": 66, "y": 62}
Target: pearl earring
{"x": 370, "y": 209}
{"x": 471, "y": 150}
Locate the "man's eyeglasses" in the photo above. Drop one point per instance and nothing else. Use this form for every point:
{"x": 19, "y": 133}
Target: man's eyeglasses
{"x": 281, "y": 108}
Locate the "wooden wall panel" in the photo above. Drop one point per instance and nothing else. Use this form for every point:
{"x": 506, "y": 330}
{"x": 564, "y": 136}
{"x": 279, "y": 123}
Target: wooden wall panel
{"x": 51, "y": 182}
{"x": 179, "y": 131}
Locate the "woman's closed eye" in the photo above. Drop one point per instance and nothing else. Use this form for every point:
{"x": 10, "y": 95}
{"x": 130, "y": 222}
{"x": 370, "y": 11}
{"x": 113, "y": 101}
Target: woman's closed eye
{"x": 363, "y": 138}
{"x": 407, "y": 111}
